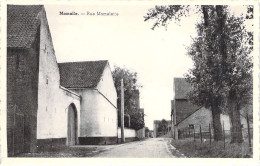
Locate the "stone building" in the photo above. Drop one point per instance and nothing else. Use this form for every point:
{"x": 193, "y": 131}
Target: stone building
{"x": 40, "y": 112}
{"x": 187, "y": 116}
{"x": 93, "y": 81}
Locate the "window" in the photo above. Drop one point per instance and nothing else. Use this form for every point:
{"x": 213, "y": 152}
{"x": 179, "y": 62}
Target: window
{"x": 46, "y": 79}
{"x": 191, "y": 126}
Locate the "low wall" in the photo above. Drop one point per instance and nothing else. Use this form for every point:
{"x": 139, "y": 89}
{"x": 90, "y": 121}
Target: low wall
{"x": 129, "y": 133}
{"x": 140, "y": 133}
{"x": 97, "y": 140}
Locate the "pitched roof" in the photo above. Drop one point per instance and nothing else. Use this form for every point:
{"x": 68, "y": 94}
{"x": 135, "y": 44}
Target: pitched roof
{"x": 22, "y": 24}
{"x": 184, "y": 108}
{"x": 181, "y": 88}
{"x": 81, "y": 74}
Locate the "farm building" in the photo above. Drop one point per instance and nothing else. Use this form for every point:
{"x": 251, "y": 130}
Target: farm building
{"x": 187, "y": 117}
{"x": 93, "y": 81}
{"x": 51, "y": 104}
{"x": 40, "y": 112}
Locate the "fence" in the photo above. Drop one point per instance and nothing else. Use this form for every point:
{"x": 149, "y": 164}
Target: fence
{"x": 207, "y": 135}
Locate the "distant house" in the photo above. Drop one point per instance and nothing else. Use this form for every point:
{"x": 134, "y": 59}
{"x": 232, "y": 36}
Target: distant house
{"x": 93, "y": 81}
{"x": 156, "y": 124}
{"x": 187, "y": 117}
{"x": 40, "y": 112}
{"x": 151, "y": 135}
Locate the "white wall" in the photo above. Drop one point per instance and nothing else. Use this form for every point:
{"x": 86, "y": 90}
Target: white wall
{"x": 107, "y": 87}
{"x": 52, "y": 101}
{"x": 53, "y": 122}
{"x": 98, "y": 116}
{"x": 204, "y": 116}
{"x": 225, "y": 119}
{"x": 128, "y": 133}
{"x": 140, "y": 133}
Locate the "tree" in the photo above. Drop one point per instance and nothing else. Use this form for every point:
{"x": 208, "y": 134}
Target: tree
{"x": 164, "y": 14}
{"x": 131, "y": 87}
{"x": 232, "y": 84}
{"x": 238, "y": 80}
{"x": 222, "y": 45}
{"x": 162, "y": 127}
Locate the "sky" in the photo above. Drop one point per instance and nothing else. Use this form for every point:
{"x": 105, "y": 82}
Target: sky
{"x": 127, "y": 41}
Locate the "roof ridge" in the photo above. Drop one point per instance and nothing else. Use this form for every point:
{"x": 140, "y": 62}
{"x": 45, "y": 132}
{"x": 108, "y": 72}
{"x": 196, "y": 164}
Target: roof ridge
{"x": 24, "y": 5}
{"x": 83, "y": 61}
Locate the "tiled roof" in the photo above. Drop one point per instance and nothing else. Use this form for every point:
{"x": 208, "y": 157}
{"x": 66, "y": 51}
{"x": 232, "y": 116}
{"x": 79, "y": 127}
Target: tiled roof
{"x": 181, "y": 88}
{"x": 81, "y": 74}
{"x": 22, "y": 24}
{"x": 183, "y": 110}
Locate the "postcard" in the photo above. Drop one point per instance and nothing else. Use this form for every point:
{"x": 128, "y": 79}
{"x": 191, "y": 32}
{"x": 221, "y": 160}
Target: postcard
{"x": 142, "y": 82}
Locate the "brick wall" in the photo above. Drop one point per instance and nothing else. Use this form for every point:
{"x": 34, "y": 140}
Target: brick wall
{"x": 22, "y": 85}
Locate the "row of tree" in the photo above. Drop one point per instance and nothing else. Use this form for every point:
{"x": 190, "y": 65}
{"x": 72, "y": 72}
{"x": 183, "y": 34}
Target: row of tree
{"x": 221, "y": 77}
{"x": 131, "y": 98}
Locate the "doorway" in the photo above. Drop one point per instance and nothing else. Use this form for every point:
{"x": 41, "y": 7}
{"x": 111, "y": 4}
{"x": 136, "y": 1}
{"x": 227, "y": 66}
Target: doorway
{"x": 72, "y": 125}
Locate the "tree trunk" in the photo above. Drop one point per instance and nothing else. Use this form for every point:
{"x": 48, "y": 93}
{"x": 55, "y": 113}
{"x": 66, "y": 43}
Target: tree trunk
{"x": 218, "y": 135}
{"x": 222, "y": 40}
{"x": 205, "y": 15}
{"x": 234, "y": 114}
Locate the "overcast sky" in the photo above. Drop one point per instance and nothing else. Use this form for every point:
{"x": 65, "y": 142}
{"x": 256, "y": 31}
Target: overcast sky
{"x": 127, "y": 41}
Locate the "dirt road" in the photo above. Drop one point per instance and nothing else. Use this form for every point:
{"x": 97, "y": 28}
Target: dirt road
{"x": 150, "y": 148}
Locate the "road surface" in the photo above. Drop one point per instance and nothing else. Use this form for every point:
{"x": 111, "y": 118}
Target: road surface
{"x": 150, "y": 148}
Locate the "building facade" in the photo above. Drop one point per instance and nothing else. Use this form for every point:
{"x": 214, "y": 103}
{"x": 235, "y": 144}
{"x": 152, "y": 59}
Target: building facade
{"x": 93, "y": 81}
{"x": 34, "y": 117}
{"x": 187, "y": 117}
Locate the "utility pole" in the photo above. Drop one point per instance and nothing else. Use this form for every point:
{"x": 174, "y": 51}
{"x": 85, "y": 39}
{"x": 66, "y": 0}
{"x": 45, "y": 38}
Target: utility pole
{"x": 122, "y": 112}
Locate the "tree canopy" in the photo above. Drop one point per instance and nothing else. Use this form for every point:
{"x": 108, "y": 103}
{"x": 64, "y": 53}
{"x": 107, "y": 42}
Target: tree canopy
{"x": 131, "y": 96}
{"x": 162, "y": 127}
{"x": 222, "y": 72}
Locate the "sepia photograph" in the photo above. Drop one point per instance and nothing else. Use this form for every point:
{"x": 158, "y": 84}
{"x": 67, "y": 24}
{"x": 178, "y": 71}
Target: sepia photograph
{"x": 130, "y": 81}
